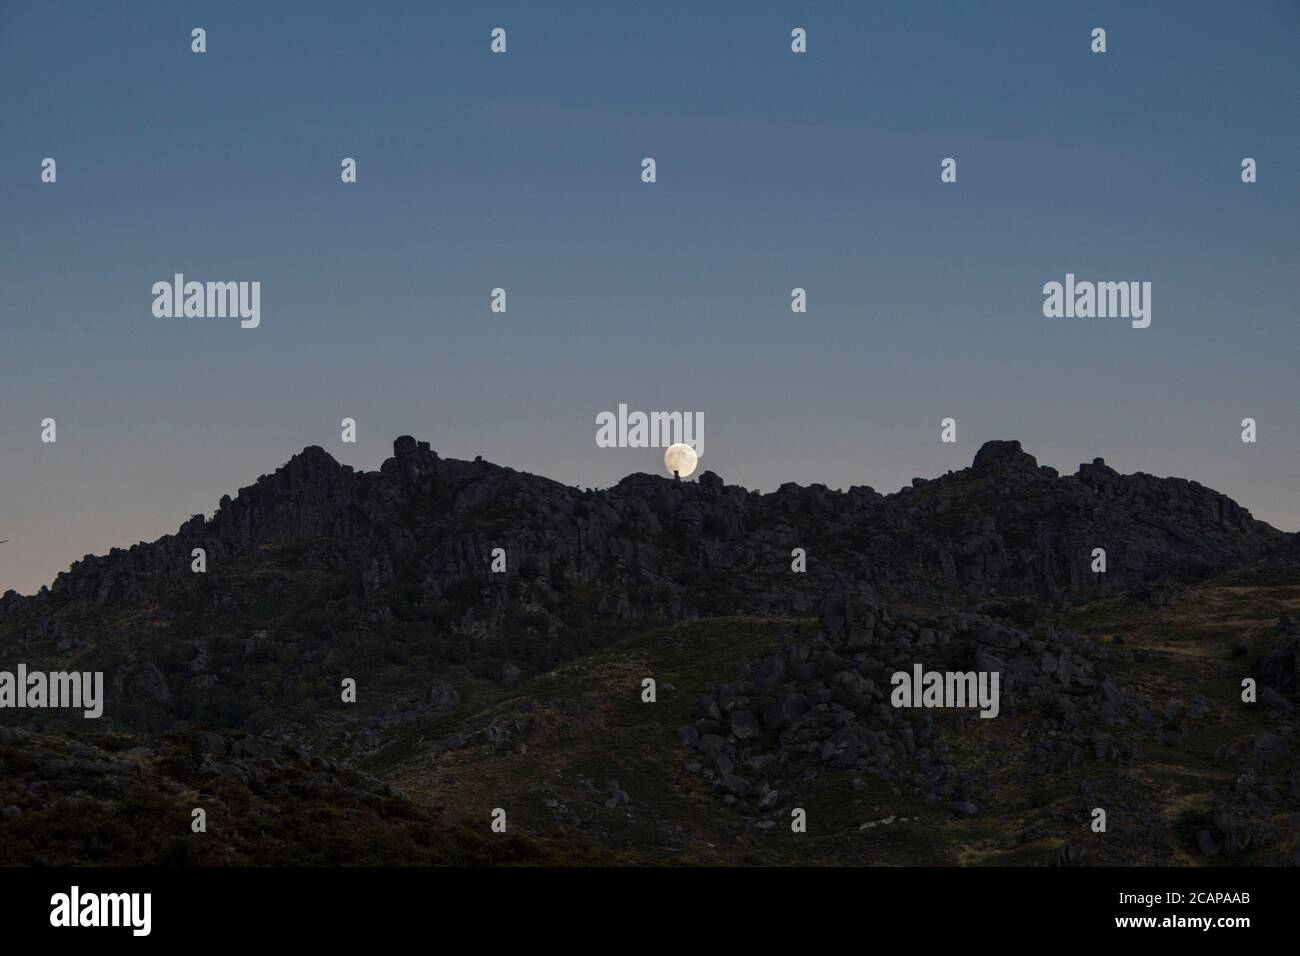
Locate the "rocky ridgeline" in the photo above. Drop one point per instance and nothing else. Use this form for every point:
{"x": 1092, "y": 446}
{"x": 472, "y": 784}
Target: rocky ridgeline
{"x": 415, "y": 538}
{"x": 825, "y": 706}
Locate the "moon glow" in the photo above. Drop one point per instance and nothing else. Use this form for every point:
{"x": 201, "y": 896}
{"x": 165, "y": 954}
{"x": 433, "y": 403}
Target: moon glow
{"x": 680, "y": 458}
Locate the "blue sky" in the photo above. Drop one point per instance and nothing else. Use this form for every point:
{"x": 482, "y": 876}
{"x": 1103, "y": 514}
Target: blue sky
{"x": 522, "y": 171}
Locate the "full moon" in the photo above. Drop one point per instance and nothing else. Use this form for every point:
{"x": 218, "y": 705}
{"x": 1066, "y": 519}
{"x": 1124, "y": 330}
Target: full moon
{"x": 680, "y": 458}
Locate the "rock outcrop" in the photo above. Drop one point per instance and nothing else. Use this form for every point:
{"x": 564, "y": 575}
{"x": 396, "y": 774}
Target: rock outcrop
{"x": 826, "y": 705}
{"x": 317, "y": 551}
{"x": 655, "y": 548}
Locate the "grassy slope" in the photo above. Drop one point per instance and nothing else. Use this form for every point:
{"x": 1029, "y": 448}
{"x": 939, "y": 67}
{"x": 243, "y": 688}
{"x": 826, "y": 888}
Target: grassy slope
{"x": 589, "y": 727}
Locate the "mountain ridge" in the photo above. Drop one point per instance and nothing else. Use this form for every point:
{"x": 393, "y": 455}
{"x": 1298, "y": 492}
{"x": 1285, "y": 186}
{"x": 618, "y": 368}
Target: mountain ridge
{"x": 313, "y": 495}
{"x": 523, "y": 686}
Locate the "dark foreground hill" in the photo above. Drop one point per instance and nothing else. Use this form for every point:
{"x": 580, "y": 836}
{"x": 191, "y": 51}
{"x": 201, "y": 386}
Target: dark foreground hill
{"x": 478, "y": 690}
{"x": 758, "y": 718}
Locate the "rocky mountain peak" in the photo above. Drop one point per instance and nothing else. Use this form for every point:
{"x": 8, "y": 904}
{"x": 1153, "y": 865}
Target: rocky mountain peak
{"x": 1004, "y": 454}
{"x": 412, "y": 540}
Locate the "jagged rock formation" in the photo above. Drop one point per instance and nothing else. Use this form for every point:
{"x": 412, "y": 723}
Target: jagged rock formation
{"x": 414, "y": 541}
{"x": 318, "y": 572}
{"x": 315, "y": 558}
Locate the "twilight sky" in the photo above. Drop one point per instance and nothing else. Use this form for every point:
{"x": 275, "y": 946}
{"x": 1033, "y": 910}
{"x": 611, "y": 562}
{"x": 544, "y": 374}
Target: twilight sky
{"x": 774, "y": 170}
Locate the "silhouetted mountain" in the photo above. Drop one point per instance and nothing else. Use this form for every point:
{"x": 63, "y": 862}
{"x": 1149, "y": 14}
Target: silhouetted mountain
{"x": 414, "y": 542}
{"x": 773, "y": 682}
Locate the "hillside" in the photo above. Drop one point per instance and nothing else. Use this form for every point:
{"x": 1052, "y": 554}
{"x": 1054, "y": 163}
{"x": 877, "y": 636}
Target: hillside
{"x": 522, "y": 689}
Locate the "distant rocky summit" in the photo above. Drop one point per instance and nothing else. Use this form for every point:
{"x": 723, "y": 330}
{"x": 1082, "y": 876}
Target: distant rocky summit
{"x": 650, "y": 547}
{"x": 310, "y": 565}
{"x": 448, "y": 595}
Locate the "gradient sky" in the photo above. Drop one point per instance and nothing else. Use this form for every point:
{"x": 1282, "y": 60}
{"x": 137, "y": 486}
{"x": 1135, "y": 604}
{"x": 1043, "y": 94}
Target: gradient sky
{"x": 523, "y": 171}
